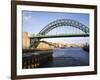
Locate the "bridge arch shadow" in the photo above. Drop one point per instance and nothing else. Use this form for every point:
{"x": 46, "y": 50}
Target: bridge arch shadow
{"x": 51, "y": 45}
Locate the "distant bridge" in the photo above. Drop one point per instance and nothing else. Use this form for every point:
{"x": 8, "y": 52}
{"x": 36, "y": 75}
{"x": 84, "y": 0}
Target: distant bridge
{"x": 34, "y": 40}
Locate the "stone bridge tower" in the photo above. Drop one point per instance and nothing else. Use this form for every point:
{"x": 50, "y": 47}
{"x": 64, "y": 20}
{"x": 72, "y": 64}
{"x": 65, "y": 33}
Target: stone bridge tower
{"x": 25, "y": 40}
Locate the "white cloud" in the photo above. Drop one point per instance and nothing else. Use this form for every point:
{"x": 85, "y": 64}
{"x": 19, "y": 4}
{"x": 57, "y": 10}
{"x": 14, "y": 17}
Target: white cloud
{"x": 28, "y": 17}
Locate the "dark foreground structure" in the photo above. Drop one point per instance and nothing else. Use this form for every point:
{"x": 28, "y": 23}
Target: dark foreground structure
{"x": 86, "y": 48}
{"x": 36, "y": 59}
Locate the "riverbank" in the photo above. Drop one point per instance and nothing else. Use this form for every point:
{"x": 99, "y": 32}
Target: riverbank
{"x": 36, "y": 50}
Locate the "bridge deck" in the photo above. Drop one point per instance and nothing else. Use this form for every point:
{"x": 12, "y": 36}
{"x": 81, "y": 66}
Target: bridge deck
{"x": 60, "y": 36}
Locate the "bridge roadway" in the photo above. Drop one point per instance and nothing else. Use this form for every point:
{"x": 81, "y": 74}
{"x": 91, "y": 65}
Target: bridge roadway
{"x": 59, "y": 36}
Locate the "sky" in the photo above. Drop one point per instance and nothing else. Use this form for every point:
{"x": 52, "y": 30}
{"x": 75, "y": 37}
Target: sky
{"x": 35, "y": 21}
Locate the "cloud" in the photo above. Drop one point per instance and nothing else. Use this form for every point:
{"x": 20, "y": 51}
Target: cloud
{"x": 28, "y": 17}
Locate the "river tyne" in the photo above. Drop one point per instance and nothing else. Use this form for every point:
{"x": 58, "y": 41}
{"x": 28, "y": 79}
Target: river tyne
{"x": 67, "y": 57}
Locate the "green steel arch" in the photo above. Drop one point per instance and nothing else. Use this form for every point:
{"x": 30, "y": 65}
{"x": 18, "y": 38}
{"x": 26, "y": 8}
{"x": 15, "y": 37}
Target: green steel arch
{"x": 64, "y": 22}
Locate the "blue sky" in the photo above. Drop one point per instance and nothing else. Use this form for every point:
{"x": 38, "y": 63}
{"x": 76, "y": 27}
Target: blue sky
{"x": 34, "y": 21}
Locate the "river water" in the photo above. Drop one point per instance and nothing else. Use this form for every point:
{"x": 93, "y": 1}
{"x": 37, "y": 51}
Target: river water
{"x": 65, "y": 57}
